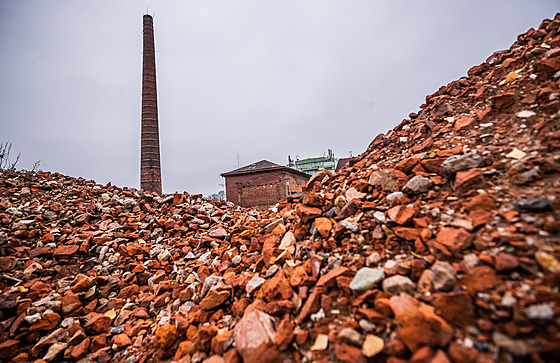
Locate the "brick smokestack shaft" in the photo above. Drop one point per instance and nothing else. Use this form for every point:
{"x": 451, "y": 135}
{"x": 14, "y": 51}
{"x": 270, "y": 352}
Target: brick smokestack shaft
{"x": 150, "y": 171}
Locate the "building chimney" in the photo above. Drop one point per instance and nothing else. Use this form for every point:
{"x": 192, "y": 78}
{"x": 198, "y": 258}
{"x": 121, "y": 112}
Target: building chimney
{"x": 150, "y": 172}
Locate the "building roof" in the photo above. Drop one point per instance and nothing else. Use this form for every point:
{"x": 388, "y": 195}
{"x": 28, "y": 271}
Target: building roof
{"x": 342, "y": 162}
{"x": 261, "y": 166}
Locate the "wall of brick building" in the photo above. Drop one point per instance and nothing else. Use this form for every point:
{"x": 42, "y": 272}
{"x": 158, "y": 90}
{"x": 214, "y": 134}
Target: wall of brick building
{"x": 296, "y": 183}
{"x": 264, "y": 188}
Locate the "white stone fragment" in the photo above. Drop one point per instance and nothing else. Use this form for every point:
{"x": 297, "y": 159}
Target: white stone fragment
{"x": 525, "y": 114}
{"x": 516, "y": 154}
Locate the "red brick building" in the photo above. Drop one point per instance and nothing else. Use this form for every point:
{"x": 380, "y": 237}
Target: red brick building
{"x": 262, "y": 184}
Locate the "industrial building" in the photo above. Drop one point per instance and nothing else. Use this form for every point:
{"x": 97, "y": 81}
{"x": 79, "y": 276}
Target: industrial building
{"x": 263, "y": 184}
{"x": 314, "y": 165}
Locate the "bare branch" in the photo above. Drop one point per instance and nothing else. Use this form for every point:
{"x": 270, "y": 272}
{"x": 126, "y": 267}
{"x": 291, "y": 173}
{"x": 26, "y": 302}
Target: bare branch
{"x": 36, "y": 166}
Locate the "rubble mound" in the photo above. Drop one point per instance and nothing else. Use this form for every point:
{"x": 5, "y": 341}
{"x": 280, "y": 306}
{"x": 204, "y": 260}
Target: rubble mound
{"x": 439, "y": 243}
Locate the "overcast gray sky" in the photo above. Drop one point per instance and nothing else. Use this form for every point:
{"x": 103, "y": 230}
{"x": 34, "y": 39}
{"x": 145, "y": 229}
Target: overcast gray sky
{"x": 262, "y": 79}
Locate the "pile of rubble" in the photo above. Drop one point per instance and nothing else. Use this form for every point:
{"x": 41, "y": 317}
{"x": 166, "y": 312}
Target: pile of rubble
{"x": 438, "y": 244}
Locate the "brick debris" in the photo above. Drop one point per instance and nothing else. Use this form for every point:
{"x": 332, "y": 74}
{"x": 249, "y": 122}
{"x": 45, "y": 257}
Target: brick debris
{"x": 439, "y": 243}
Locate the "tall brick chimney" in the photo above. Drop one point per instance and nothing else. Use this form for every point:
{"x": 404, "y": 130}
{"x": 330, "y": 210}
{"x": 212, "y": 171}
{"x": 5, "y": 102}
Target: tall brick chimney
{"x": 150, "y": 172}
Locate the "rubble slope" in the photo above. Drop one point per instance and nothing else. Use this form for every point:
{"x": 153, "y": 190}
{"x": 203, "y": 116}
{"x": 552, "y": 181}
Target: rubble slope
{"x": 439, "y": 243}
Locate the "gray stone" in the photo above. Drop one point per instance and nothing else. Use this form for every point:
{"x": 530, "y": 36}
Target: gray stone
{"x": 198, "y": 220}
{"x": 116, "y": 329}
{"x": 391, "y": 267}
{"x": 50, "y": 215}
{"x": 393, "y": 196}
{"x": 531, "y": 174}
{"x": 443, "y": 278}
{"x": 394, "y": 285}
{"x": 156, "y": 233}
{"x": 218, "y": 233}
{"x": 206, "y": 257}
{"x": 532, "y": 205}
{"x": 380, "y": 216}
{"x": 55, "y": 305}
{"x": 103, "y": 251}
{"x": 418, "y": 184}
{"x": 471, "y": 261}
{"x": 66, "y": 322}
{"x": 209, "y": 283}
{"x": 508, "y": 301}
{"x": 236, "y": 260}
{"x": 366, "y": 279}
{"x": 373, "y": 259}
{"x": 129, "y": 203}
{"x": 425, "y": 282}
{"x": 540, "y": 312}
{"x": 54, "y": 351}
{"x": 457, "y": 163}
{"x": 340, "y": 201}
{"x": 367, "y": 326}
{"x": 254, "y": 284}
{"x": 34, "y": 267}
{"x": 349, "y": 335}
{"x": 515, "y": 347}
{"x": 91, "y": 291}
{"x": 33, "y": 318}
{"x": 352, "y": 193}
{"x": 318, "y": 316}
{"x": 272, "y": 271}
{"x": 164, "y": 256}
{"x": 351, "y": 226}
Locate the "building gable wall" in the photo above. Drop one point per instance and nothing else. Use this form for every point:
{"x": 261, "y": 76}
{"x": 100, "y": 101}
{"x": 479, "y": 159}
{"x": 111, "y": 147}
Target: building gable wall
{"x": 264, "y": 188}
